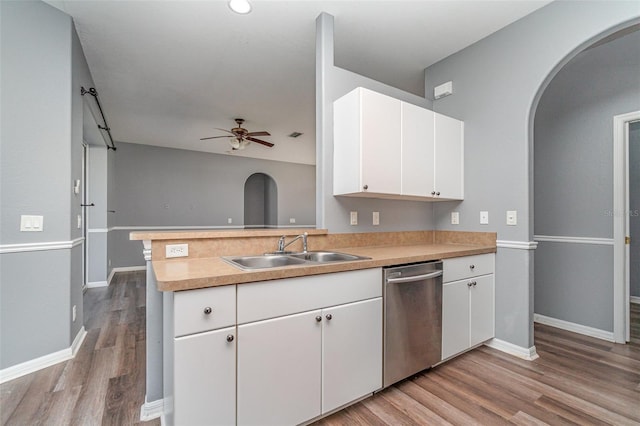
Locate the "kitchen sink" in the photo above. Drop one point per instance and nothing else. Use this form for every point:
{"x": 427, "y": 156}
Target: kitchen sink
{"x": 326, "y": 256}
{"x": 280, "y": 260}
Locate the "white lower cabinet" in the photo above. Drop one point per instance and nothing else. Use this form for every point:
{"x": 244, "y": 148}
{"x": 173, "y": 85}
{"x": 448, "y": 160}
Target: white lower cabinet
{"x": 279, "y": 364}
{"x": 467, "y": 314}
{"x": 351, "y": 352}
{"x": 205, "y": 379}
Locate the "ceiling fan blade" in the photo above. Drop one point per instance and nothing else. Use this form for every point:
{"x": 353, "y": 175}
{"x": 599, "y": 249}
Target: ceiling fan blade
{"x": 215, "y": 137}
{"x": 262, "y": 133}
{"x": 224, "y": 130}
{"x": 269, "y": 144}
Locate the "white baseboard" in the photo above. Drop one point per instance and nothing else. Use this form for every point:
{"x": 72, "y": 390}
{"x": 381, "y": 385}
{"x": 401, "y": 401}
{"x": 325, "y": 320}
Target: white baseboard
{"x": 45, "y": 361}
{"x": 124, "y": 269}
{"x": 528, "y": 354}
{"x": 573, "y": 327}
{"x": 635, "y": 299}
{"x": 96, "y": 284}
{"x": 151, "y": 410}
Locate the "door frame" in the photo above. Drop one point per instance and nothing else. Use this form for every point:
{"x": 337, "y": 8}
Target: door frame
{"x": 621, "y": 252}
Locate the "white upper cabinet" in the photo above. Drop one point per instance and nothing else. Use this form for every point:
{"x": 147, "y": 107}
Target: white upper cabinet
{"x": 366, "y": 143}
{"x": 386, "y": 148}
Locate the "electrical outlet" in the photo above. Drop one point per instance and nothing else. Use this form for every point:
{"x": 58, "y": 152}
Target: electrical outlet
{"x": 109, "y": 263}
{"x": 176, "y": 250}
{"x": 229, "y": 221}
{"x": 73, "y": 313}
{"x": 376, "y": 218}
{"x": 292, "y": 220}
{"x": 455, "y": 218}
{"x": 79, "y": 221}
{"x": 353, "y": 218}
{"x": 512, "y": 217}
{"x": 484, "y": 218}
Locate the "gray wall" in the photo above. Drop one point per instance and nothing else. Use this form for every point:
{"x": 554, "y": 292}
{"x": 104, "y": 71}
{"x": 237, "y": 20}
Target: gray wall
{"x": 40, "y": 156}
{"x": 171, "y": 187}
{"x": 573, "y": 179}
{"x": 333, "y": 212}
{"x": 634, "y": 206}
{"x": 497, "y": 82}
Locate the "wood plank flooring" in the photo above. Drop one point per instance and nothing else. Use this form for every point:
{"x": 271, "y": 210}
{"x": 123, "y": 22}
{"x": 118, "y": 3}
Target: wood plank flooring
{"x": 576, "y": 380}
{"x": 105, "y": 382}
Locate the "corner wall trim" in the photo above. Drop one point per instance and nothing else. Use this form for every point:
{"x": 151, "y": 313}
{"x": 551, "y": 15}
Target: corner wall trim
{"x": 96, "y": 284}
{"x": 42, "y": 246}
{"x": 573, "y": 327}
{"x": 45, "y": 361}
{"x": 151, "y": 410}
{"x": 635, "y": 299}
{"x": 574, "y": 240}
{"x": 124, "y": 269}
{"x": 519, "y": 245}
{"x": 528, "y": 354}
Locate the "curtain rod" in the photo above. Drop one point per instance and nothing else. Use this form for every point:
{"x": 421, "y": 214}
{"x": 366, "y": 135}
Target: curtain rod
{"x": 92, "y": 91}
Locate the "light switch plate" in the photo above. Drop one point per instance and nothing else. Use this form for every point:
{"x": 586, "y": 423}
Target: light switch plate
{"x": 31, "y": 223}
{"x": 455, "y": 218}
{"x": 484, "y": 218}
{"x": 512, "y": 217}
{"x": 376, "y": 218}
{"x": 353, "y": 218}
{"x": 292, "y": 220}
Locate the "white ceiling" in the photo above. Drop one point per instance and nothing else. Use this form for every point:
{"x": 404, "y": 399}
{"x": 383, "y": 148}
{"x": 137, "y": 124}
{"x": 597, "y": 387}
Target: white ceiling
{"x": 169, "y": 72}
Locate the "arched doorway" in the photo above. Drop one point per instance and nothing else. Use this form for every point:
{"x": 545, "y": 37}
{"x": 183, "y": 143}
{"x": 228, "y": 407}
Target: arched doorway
{"x": 260, "y": 201}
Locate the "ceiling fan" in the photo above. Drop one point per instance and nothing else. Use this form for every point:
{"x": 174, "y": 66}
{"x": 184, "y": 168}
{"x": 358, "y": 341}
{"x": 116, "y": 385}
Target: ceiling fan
{"x": 239, "y": 137}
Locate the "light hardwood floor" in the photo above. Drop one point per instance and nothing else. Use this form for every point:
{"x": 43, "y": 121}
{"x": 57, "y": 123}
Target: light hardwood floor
{"x": 576, "y": 380}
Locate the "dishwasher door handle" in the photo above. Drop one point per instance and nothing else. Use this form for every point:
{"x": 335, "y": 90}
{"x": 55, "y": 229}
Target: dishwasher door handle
{"x": 415, "y": 278}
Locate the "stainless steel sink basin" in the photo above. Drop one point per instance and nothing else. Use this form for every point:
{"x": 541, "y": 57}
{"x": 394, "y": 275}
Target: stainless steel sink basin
{"x": 280, "y": 260}
{"x": 326, "y": 256}
{"x": 262, "y": 262}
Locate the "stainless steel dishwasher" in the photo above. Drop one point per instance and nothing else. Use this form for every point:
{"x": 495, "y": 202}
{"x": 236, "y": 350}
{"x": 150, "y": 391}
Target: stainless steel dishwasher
{"x": 412, "y": 319}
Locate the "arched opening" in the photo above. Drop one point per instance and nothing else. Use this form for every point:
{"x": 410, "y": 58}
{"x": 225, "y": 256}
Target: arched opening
{"x": 260, "y": 201}
{"x": 573, "y": 179}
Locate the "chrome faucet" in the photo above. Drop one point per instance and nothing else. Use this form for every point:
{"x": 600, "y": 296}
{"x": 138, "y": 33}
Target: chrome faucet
{"x": 282, "y": 245}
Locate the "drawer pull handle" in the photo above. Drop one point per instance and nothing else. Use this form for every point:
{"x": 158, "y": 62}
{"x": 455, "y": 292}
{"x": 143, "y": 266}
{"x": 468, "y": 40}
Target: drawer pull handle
{"x": 230, "y": 338}
{"x": 208, "y": 310}
{"x": 318, "y": 318}
{"x": 329, "y": 317}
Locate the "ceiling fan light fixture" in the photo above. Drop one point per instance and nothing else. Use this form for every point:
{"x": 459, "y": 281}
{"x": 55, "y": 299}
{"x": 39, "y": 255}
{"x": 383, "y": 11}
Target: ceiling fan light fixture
{"x": 240, "y": 6}
{"x": 235, "y": 143}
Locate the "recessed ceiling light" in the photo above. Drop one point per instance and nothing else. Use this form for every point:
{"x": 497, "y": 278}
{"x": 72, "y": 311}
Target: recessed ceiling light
{"x": 240, "y": 6}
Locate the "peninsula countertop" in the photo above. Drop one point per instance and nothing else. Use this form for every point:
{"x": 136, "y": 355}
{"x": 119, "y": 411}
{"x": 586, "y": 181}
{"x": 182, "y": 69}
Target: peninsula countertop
{"x": 193, "y": 273}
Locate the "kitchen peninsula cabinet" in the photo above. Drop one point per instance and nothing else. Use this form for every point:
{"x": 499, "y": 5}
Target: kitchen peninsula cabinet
{"x": 387, "y": 148}
{"x": 468, "y": 303}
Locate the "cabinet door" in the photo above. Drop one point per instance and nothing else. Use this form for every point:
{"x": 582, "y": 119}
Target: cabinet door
{"x": 380, "y": 143}
{"x": 482, "y": 310}
{"x": 279, "y": 370}
{"x": 455, "y": 318}
{"x": 417, "y": 151}
{"x": 449, "y": 157}
{"x": 205, "y": 378}
{"x": 351, "y": 352}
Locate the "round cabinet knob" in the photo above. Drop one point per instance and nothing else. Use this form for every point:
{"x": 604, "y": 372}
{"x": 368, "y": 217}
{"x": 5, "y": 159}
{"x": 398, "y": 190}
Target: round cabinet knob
{"x": 474, "y": 283}
{"x": 230, "y": 338}
{"x": 329, "y": 317}
{"x": 469, "y": 284}
{"x": 472, "y": 267}
{"x": 365, "y": 187}
{"x": 208, "y": 310}
{"x": 438, "y": 193}
{"x": 433, "y": 192}
{"x": 318, "y": 318}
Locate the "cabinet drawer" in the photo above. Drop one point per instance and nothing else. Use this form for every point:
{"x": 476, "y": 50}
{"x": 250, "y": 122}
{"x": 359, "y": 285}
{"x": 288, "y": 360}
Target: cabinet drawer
{"x": 204, "y": 309}
{"x": 258, "y": 301}
{"x": 468, "y": 266}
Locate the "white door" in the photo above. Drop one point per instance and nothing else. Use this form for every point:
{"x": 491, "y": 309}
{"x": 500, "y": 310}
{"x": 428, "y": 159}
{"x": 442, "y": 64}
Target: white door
{"x": 279, "y": 370}
{"x": 449, "y": 157}
{"x": 351, "y": 352}
{"x": 205, "y": 379}
{"x": 380, "y": 143}
{"x": 417, "y": 151}
{"x": 455, "y": 318}
{"x": 482, "y": 310}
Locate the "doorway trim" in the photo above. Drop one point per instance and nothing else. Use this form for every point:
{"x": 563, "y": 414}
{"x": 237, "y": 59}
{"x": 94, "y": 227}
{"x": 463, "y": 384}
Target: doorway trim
{"x": 621, "y": 295}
